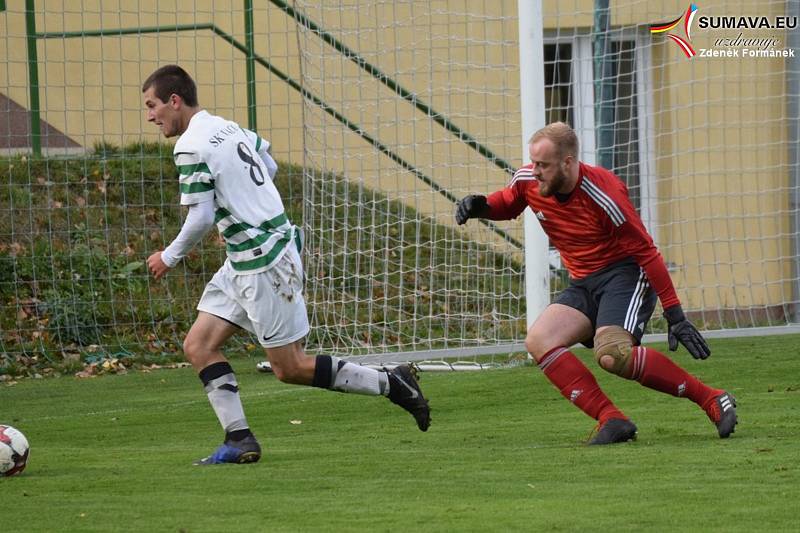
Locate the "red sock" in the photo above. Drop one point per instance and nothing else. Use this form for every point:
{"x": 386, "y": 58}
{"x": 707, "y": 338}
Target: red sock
{"x": 578, "y": 385}
{"x": 657, "y": 371}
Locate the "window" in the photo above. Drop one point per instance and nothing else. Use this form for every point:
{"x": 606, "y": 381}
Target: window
{"x": 570, "y": 96}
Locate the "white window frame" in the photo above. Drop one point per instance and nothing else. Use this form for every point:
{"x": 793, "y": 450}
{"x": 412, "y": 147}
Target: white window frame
{"x": 582, "y": 79}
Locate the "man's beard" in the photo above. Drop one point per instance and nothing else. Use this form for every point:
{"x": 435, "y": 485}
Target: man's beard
{"x": 549, "y": 189}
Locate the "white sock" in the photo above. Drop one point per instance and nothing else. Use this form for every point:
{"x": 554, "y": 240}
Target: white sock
{"x": 223, "y": 394}
{"x": 336, "y": 374}
{"x": 360, "y": 380}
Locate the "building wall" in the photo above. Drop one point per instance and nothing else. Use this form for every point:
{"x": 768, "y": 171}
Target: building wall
{"x": 718, "y": 126}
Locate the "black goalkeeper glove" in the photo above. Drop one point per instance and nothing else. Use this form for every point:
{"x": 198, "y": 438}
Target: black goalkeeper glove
{"x": 682, "y": 330}
{"x": 472, "y": 206}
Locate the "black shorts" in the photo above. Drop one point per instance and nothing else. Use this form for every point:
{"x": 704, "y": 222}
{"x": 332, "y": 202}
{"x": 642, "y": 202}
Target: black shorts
{"x": 619, "y": 295}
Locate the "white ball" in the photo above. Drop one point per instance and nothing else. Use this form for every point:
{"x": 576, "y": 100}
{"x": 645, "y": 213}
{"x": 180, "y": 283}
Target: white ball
{"x": 14, "y": 451}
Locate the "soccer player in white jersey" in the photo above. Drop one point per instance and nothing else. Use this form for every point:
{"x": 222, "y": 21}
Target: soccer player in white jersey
{"x": 226, "y": 177}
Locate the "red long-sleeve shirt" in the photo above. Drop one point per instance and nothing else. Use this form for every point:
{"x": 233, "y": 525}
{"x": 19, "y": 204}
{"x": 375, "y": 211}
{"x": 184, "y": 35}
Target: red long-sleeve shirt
{"x": 595, "y": 227}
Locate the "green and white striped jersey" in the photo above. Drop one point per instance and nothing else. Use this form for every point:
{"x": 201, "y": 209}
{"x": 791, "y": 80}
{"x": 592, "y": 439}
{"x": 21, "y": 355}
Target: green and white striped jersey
{"x": 219, "y": 160}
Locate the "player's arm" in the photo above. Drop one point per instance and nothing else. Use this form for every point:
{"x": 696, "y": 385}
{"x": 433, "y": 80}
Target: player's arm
{"x": 197, "y": 192}
{"x": 263, "y": 150}
{"x": 198, "y": 221}
{"x": 504, "y": 204}
{"x": 639, "y": 244}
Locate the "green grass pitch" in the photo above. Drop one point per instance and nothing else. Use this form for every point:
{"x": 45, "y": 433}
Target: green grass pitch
{"x": 504, "y": 453}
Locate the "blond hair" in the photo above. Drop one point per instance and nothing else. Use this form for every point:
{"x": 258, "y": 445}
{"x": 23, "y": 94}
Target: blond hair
{"x": 563, "y": 136}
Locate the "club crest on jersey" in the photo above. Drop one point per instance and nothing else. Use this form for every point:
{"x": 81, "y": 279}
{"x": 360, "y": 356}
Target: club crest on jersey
{"x": 219, "y": 137}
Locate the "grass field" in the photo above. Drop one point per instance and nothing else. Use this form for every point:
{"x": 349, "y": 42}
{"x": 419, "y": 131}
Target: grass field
{"x": 504, "y": 453}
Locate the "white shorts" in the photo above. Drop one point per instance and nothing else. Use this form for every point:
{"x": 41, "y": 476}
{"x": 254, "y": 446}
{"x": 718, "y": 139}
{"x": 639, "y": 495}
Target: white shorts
{"x": 269, "y": 304}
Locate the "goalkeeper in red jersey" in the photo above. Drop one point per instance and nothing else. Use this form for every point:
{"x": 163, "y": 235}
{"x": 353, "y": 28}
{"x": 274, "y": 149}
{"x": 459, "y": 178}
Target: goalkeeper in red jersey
{"x": 616, "y": 275}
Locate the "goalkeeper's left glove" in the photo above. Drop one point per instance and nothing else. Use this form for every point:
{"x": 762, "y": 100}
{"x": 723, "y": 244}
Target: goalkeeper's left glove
{"x": 472, "y": 206}
{"x": 680, "y": 329}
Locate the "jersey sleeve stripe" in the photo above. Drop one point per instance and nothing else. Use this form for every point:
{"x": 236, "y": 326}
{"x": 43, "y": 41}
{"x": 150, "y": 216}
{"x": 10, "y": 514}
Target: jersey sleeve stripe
{"x": 524, "y": 170}
{"x": 608, "y": 205}
{"x": 196, "y": 178}
{"x": 192, "y": 188}
{"x": 196, "y": 181}
{"x": 188, "y": 170}
{"x": 522, "y": 174}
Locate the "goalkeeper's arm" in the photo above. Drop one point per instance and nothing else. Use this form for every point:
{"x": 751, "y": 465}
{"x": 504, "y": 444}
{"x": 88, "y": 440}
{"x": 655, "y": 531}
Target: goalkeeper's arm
{"x": 198, "y": 221}
{"x": 504, "y": 204}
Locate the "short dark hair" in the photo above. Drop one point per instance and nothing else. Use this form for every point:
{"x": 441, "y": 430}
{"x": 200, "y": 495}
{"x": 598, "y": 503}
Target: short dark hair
{"x": 172, "y": 79}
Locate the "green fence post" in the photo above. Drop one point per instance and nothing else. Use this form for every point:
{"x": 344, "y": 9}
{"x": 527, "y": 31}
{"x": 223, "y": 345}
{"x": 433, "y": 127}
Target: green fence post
{"x": 33, "y": 76}
{"x": 251, "y": 65}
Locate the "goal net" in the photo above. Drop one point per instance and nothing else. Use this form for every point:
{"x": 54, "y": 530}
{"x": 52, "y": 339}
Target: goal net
{"x": 426, "y": 101}
{"x": 706, "y": 144}
{"x": 382, "y": 114}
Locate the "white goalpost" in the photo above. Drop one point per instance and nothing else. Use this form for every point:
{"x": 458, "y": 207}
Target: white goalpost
{"x": 532, "y": 108}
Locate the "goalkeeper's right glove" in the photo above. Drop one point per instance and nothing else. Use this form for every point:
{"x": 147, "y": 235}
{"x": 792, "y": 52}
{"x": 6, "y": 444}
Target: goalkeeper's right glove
{"x": 472, "y": 206}
{"x": 680, "y": 329}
